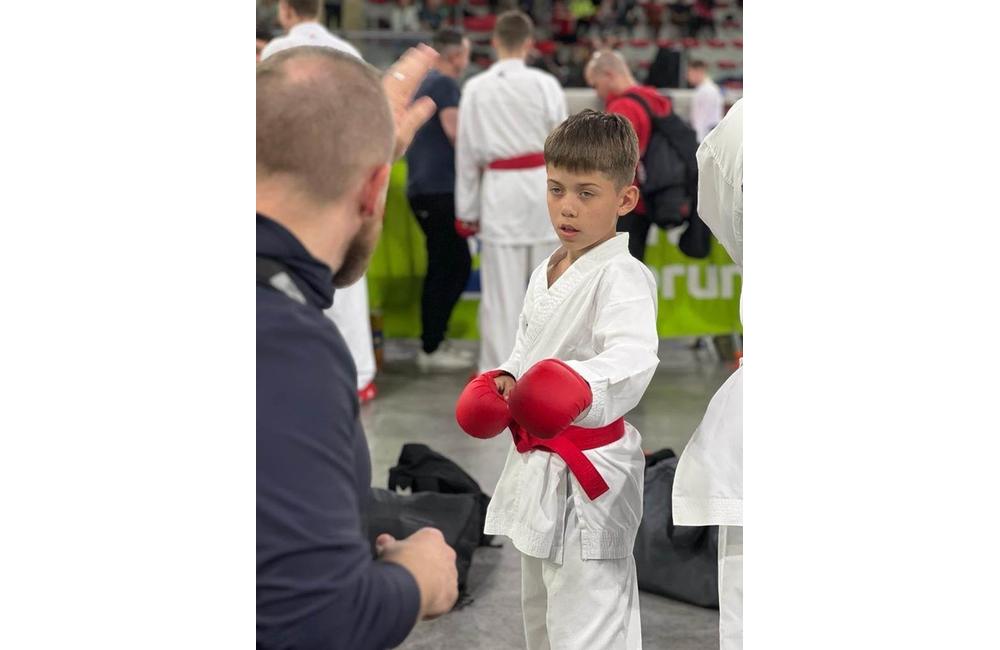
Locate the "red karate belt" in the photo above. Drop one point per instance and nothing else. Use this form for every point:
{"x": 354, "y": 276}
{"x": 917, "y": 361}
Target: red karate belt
{"x": 527, "y": 161}
{"x": 569, "y": 445}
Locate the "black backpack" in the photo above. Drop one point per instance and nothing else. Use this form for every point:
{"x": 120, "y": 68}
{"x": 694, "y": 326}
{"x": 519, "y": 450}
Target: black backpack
{"x": 668, "y": 179}
{"x": 679, "y": 562}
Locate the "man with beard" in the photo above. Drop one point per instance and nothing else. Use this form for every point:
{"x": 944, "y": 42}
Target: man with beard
{"x": 320, "y": 203}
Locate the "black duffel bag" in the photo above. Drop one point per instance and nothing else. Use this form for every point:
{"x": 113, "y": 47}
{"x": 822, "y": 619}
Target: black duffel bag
{"x": 679, "y": 562}
{"x": 457, "y": 516}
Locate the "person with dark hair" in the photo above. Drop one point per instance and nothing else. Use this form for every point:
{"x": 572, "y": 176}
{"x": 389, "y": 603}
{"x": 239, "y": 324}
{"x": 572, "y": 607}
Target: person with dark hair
{"x": 504, "y": 116}
{"x": 263, "y": 38}
{"x": 609, "y": 75}
{"x": 300, "y": 20}
{"x": 320, "y": 204}
{"x": 706, "y": 105}
{"x": 430, "y": 188}
{"x": 585, "y": 353}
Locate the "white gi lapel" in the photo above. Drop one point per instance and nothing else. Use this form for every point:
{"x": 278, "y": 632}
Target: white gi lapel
{"x": 548, "y": 303}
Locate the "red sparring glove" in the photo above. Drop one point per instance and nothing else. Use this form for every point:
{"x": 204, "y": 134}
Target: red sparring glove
{"x": 466, "y": 229}
{"x": 481, "y": 410}
{"x": 548, "y": 397}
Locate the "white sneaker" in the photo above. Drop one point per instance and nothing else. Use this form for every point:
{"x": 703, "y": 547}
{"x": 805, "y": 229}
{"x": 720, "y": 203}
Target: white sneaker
{"x": 468, "y": 355}
{"x": 441, "y": 359}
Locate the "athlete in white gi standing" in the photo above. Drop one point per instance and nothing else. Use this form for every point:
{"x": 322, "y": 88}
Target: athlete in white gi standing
{"x": 708, "y": 487}
{"x": 504, "y": 116}
{"x": 570, "y": 495}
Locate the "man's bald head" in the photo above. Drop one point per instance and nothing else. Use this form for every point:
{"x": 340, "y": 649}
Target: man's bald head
{"x": 322, "y": 121}
{"x": 608, "y": 73}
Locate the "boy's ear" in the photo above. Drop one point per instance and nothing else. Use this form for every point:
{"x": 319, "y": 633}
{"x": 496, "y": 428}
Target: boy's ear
{"x": 628, "y": 199}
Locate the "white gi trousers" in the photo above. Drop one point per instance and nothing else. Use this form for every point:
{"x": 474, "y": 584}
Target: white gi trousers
{"x": 570, "y": 603}
{"x": 731, "y": 587}
{"x": 350, "y": 314}
{"x": 504, "y": 271}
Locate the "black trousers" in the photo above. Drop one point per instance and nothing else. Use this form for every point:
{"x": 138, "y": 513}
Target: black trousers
{"x": 637, "y": 227}
{"x": 448, "y": 265}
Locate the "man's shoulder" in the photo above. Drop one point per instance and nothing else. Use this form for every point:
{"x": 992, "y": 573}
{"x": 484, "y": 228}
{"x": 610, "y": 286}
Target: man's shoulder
{"x": 291, "y": 331}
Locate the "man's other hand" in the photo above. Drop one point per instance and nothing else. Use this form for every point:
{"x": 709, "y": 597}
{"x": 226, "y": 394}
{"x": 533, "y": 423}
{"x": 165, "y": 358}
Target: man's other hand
{"x": 428, "y": 557}
{"x": 400, "y": 83}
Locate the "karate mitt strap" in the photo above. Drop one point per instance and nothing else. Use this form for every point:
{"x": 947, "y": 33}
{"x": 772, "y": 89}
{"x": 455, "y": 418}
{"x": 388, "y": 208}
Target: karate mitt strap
{"x": 548, "y": 398}
{"x": 466, "y": 229}
{"x": 481, "y": 410}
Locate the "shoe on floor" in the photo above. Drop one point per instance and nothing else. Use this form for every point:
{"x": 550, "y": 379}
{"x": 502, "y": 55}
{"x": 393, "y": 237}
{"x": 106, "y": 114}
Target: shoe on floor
{"x": 367, "y": 393}
{"x": 442, "y": 359}
{"x": 468, "y": 355}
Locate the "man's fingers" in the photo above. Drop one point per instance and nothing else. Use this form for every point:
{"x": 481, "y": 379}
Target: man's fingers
{"x": 403, "y": 78}
{"x": 382, "y": 541}
{"x": 418, "y": 113}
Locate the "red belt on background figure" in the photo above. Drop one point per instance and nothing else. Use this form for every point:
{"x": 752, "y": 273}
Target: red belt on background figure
{"x": 569, "y": 446}
{"x": 527, "y": 161}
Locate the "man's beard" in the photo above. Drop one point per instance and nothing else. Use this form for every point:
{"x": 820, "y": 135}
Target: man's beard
{"x": 357, "y": 257}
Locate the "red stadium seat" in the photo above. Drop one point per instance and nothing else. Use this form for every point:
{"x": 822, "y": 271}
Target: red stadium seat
{"x": 731, "y": 24}
{"x": 483, "y": 61}
{"x": 717, "y": 43}
{"x": 738, "y": 42}
{"x": 546, "y": 47}
{"x": 644, "y": 65}
{"x": 479, "y": 3}
{"x": 690, "y": 43}
{"x": 666, "y": 43}
{"x": 727, "y": 65}
{"x": 480, "y": 23}
{"x": 639, "y": 42}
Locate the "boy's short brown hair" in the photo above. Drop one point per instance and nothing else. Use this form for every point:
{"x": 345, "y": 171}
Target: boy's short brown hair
{"x": 513, "y": 29}
{"x": 591, "y": 141}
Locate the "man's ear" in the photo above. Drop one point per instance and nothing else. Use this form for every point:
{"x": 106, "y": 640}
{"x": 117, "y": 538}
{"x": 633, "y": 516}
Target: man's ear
{"x": 373, "y": 191}
{"x": 628, "y": 200}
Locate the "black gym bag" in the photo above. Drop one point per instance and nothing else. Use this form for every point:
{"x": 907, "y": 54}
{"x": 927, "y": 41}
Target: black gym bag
{"x": 679, "y": 562}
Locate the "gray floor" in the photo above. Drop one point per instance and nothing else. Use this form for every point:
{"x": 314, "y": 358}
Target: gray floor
{"x": 412, "y": 407}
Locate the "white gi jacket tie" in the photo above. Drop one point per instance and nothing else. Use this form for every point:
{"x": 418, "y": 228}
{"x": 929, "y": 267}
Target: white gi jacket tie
{"x": 600, "y": 318}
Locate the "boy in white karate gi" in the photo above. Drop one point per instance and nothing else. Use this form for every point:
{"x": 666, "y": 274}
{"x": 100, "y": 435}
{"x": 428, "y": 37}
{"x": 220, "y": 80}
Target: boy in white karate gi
{"x": 570, "y": 496}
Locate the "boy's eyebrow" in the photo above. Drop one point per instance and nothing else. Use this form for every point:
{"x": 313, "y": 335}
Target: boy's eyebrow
{"x": 552, "y": 180}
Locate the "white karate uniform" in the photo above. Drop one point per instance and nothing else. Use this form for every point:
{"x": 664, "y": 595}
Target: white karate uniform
{"x": 708, "y": 487}
{"x": 350, "y": 313}
{"x": 350, "y": 305}
{"x": 309, "y": 33}
{"x": 706, "y": 108}
{"x": 579, "y": 588}
{"x": 505, "y": 112}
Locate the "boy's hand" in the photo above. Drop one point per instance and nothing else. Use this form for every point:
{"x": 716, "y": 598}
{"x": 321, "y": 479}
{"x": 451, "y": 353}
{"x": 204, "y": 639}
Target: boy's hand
{"x": 504, "y": 384}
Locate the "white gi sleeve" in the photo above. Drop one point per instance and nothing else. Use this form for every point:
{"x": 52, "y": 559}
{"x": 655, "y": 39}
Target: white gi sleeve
{"x": 555, "y": 99}
{"x": 468, "y": 159}
{"x": 720, "y": 182}
{"x": 625, "y": 331}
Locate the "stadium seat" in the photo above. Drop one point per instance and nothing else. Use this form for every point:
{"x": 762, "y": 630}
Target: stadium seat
{"x": 480, "y": 23}
{"x": 690, "y": 43}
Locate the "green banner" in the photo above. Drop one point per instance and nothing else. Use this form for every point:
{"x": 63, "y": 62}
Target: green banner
{"x": 697, "y": 297}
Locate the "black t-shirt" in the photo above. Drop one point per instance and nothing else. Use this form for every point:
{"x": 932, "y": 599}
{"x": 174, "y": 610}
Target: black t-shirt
{"x": 431, "y": 157}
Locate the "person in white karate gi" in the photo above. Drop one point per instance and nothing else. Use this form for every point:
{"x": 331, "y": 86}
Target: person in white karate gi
{"x": 708, "y": 487}
{"x": 570, "y": 495}
{"x": 350, "y": 310}
{"x": 504, "y": 116}
{"x": 706, "y": 104}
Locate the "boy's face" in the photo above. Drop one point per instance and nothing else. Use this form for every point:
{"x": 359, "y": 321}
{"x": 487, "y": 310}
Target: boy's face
{"x": 584, "y": 207}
